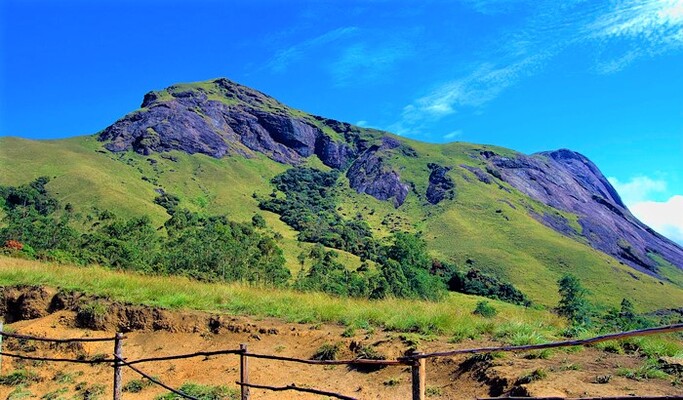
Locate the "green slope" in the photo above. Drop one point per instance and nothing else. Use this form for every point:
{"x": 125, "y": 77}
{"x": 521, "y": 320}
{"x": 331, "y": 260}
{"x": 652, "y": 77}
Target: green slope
{"x": 485, "y": 226}
{"x": 86, "y": 176}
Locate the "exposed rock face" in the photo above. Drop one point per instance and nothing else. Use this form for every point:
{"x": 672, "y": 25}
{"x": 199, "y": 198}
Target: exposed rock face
{"x": 568, "y": 181}
{"x": 481, "y": 175}
{"x": 441, "y": 186}
{"x": 369, "y": 174}
{"x": 240, "y": 120}
{"x": 225, "y": 118}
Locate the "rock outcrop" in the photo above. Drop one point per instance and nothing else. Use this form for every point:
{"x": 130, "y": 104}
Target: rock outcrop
{"x": 224, "y": 118}
{"x": 371, "y": 175}
{"x": 568, "y": 181}
{"x": 441, "y": 186}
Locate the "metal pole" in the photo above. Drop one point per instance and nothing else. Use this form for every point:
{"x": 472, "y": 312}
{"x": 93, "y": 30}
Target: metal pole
{"x": 118, "y": 355}
{"x": 244, "y": 372}
{"x": 418, "y": 370}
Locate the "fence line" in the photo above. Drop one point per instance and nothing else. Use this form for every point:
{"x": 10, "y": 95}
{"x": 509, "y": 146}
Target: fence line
{"x": 356, "y": 361}
{"x": 415, "y": 360}
{"x": 187, "y": 355}
{"x": 566, "y": 343}
{"x": 585, "y": 398}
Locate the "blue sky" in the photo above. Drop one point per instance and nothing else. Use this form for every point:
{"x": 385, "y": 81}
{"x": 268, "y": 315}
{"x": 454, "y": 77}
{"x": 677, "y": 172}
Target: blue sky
{"x": 599, "y": 77}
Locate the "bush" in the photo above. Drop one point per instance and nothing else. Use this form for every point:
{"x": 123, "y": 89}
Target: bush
{"x": 202, "y": 392}
{"x": 485, "y": 309}
{"x": 327, "y": 351}
{"x": 533, "y": 376}
{"x": 573, "y": 303}
{"x": 19, "y": 377}
{"x": 136, "y": 385}
{"x": 92, "y": 392}
{"x": 478, "y": 283}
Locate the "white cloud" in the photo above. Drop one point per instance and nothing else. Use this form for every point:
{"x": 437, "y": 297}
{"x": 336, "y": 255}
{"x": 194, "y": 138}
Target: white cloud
{"x": 362, "y": 123}
{"x": 664, "y": 217}
{"x": 638, "y": 189}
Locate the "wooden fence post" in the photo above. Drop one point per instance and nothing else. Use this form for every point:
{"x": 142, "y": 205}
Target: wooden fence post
{"x": 418, "y": 370}
{"x": 244, "y": 372}
{"x": 118, "y": 354}
{"x": 2, "y": 325}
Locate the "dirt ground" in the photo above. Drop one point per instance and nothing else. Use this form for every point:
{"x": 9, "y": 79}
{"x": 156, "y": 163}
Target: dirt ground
{"x": 153, "y": 332}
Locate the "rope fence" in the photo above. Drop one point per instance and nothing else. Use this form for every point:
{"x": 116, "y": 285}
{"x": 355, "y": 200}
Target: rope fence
{"x": 566, "y": 343}
{"x": 415, "y": 360}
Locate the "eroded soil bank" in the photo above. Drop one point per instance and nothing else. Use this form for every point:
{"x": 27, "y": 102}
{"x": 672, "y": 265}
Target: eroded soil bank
{"x": 153, "y": 331}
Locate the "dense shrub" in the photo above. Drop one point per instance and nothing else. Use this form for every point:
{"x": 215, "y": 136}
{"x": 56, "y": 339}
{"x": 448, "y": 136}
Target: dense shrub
{"x": 573, "y": 303}
{"x": 476, "y": 282}
{"x": 485, "y": 309}
{"x": 209, "y": 248}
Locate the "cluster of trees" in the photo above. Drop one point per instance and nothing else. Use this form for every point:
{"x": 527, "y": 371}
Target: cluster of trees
{"x": 309, "y": 205}
{"x": 402, "y": 270}
{"x": 203, "y": 247}
{"x": 581, "y": 314}
{"x": 307, "y": 202}
{"x": 217, "y": 249}
{"x": 481, "y": 284}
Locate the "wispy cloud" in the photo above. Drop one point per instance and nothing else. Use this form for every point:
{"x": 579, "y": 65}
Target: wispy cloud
{"x": 618, "y": 32}
{"x": 452, "y": 135}
{"x": 479, "y": 87}
{"x": 645, "y": 28}
{"x": 347, "y": 54}
{"x": 656, "y": 21}
{"x": 492, "y": 6}
{"x": 363, "y": 62}
{"x": 283, "y": 58}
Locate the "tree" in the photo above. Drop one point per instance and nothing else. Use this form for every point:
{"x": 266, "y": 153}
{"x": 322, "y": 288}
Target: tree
{"x": 258, "y": 221}
{"x": 573, "y": 303}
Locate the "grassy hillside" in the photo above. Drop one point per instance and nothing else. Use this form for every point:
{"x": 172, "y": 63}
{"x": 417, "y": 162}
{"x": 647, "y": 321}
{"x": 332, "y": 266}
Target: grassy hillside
{"x": 484, "y": 226}
{"x": 86, "y": 176}
{"x": 452, "y": 316}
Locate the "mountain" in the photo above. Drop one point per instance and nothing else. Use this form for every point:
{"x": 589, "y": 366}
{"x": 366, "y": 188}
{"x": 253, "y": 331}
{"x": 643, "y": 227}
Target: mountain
{"x": 217, "y": 145}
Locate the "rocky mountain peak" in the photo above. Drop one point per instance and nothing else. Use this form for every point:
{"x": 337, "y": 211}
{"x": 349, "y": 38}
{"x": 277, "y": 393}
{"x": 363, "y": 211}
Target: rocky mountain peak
{"x": 569, "y": 181}
{"x": 221, "y": 118}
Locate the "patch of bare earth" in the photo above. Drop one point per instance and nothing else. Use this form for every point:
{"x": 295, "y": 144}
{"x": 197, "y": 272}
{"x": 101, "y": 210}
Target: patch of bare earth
{"x": 151, "y": 332}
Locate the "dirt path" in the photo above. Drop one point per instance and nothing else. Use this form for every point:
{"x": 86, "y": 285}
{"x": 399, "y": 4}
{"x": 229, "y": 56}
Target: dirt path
{"x": 163, "y": 332}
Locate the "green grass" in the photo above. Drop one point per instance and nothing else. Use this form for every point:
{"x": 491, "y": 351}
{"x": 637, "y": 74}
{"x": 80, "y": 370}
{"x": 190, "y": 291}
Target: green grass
{"x": 447, "y": 317}
{"x": 19, "y": 377}
{"x": 647, "y": 371}
{"x": 203, "y": 392}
